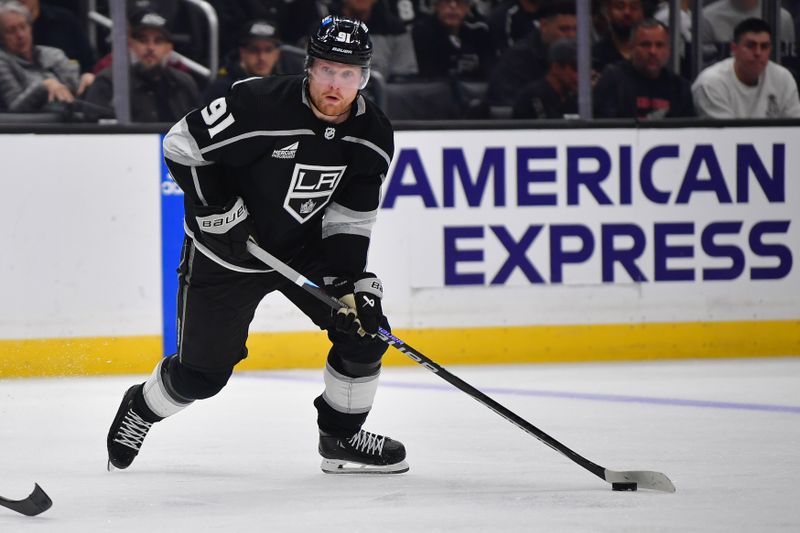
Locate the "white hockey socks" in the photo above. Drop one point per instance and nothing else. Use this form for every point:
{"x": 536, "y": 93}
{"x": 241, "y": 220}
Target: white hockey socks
{"x": 349, "y": 395}
{"x": 157, "y": 397}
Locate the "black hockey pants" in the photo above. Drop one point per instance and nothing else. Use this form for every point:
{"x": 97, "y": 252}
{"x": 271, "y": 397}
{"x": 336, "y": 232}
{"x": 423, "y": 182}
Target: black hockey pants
{"x": 215, "y": 308}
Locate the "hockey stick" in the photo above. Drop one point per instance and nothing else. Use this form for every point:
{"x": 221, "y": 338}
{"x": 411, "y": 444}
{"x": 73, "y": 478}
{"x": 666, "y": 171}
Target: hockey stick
{"x": 36, "y": 503}
{"x": 629, "y": 480}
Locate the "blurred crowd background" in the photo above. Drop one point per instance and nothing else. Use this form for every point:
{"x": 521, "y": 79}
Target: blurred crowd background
{"x": 433, "y": 59}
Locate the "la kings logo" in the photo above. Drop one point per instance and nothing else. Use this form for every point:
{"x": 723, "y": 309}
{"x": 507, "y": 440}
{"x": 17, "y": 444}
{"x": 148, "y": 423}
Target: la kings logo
{"x": 310, "y": 189}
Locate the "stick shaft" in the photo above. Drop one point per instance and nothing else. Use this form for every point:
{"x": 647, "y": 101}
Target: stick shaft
{"x": 422, "y": 359}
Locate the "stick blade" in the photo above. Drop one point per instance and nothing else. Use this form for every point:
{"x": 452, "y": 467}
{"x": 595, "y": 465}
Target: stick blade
{"x": 644, "y": 479}
{"x": 36, "y": 503}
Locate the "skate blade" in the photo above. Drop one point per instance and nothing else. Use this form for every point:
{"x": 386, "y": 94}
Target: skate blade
{"x": 335, "y": 466}
{"x": 110, "y": 467}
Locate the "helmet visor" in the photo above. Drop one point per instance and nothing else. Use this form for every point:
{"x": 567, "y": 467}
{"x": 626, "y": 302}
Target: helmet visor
{"x": 337, "y": 74}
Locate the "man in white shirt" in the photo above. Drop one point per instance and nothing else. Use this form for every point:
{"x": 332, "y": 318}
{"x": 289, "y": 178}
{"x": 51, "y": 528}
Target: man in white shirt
{"x": 747, "y": 85}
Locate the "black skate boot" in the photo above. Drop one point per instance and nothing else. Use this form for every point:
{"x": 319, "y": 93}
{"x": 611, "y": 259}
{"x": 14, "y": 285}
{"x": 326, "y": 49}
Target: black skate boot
{"x": 128, "y": 430}
{"x": 363, "y": 453}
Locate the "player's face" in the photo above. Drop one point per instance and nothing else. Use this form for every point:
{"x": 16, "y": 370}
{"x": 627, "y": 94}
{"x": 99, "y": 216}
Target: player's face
{"x": 150, "y": 47}
{"x": 751, "y": 54}
{"x": 650, "y": 51}
{"x": 17, "y": 35}
{"x": 333, "y": 86}
{"x": 259, "y": 57}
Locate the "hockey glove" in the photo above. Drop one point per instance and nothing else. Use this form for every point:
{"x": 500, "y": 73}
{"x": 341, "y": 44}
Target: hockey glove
{"x": 363, "y": 314}
{"x": 225, "y": 230}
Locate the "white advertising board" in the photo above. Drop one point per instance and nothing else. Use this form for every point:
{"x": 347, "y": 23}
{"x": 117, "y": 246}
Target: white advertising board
{"x": 80, "y": 246}
{"x": 591, "y": 226}
{"x": 477, "y": 228}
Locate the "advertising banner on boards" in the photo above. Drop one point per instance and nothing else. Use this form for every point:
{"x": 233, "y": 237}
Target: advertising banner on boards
{"x": 597, "y": 206}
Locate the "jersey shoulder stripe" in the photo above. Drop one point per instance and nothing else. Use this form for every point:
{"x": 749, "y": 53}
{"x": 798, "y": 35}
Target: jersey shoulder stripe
{"x": 371, "y": 145}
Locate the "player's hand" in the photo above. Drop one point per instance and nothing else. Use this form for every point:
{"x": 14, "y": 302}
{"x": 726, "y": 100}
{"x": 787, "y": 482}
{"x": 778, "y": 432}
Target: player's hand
{"x": 226, "y": 230}
{"x": 362, "y": 296}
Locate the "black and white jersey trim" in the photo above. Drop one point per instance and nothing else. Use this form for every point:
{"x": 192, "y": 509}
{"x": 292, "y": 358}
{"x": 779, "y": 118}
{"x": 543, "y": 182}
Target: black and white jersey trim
{"x": 197, "y": 188}
{"x": 341, "y": 220}
{"x": 189, "y": 258}
{"x": 251, "y": 134}
{"x": 361, "y": 105}
{"x": 180, "y": 147}
{"x": 369, "y": 144}
{"x": 245, "y": 80}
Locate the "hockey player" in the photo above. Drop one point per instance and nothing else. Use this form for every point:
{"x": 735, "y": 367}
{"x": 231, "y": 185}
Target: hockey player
{"x": 296, "y": 164}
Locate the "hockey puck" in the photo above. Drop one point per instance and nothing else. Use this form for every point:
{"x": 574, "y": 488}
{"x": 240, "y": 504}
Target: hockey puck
{"x": 623, "y": 486}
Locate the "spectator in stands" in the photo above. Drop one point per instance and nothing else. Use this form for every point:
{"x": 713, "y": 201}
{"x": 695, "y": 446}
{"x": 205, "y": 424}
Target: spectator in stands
{"x": 393, "y": 49}
{"x": 59, "y": 27}
{"x": 296, "y": 19}
{"x": 158, "y": 92}
{"x": 622, "y": 16}
{"x": 31, "y": 76}
{"x": 259, "y": 54}
{"x": 554, "y": 96}
{"x": 685, "y": 34}
{"x": 449, "y": 44}
{"x": 747, "y": 85}
{"x": 642, "y": 87}
{"x": 512, "y": 20}
{"x": 724, "y": 15}
{"x": 526, "y": 61}
{"x": 186, "y": 23}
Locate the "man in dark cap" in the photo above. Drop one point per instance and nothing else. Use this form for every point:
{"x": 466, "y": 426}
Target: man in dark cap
{"x": 259, "y": 54}
{"x": 159, "y": 92}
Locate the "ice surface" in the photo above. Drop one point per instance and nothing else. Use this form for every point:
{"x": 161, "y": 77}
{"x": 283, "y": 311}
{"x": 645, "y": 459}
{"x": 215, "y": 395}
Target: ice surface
{"x": 727, "y": 432}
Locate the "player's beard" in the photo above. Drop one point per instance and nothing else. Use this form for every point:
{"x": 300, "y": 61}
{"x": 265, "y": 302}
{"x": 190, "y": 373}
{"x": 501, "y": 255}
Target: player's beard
{"x": 333, "y": 104}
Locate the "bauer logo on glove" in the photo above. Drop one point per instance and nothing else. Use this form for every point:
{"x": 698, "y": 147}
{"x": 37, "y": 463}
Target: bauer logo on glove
{"x": 220, "y": 223}
{"x": 363, "y": 313}
{"x": 226, "y": 230}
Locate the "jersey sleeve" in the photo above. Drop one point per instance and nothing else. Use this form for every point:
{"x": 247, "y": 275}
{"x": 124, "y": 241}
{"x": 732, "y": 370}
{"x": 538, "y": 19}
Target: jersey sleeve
{"x": 219, "y": 134}
{"x": 349, "y": 218}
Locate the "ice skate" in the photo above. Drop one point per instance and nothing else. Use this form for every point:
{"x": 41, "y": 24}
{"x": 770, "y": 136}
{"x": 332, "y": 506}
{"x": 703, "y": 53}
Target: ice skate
{"x": 127, "y": 432}
{"x": 363, "y": 453}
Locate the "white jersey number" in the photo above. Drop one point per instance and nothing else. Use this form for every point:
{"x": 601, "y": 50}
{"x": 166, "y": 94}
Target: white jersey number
{"x": 213, "y": 113}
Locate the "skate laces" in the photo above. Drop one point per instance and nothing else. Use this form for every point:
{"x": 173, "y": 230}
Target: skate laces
{"x": 367, "y": 442}
{"x": 133, "y": 430}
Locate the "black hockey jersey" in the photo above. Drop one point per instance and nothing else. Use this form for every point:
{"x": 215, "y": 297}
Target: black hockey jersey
{"x": 302, "y": 179}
